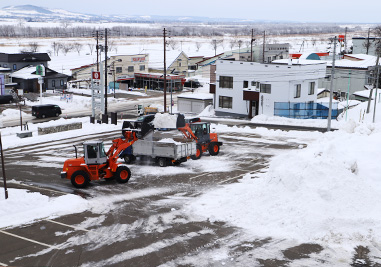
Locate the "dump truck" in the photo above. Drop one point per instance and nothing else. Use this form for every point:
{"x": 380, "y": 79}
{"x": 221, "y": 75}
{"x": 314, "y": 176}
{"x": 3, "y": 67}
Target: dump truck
{"x": 161, "y": 146}
{"x": 164, "y": 151}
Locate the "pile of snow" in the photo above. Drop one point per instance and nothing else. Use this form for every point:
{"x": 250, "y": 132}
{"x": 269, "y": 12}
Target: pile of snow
{"x": 165, "y": 120}
{"x": 12, "y": 113}
{"x": 169, "y": 140}
{"x": 23, "y": 207}
{"x": 326, "y": 192}
{"x": 208, "y": 112}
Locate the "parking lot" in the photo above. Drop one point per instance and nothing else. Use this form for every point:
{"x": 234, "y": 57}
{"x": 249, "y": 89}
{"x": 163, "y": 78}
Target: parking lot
{"x": 143, "y": 222}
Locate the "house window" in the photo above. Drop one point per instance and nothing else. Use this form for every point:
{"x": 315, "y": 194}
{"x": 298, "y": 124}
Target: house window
{"x": 225, "y": 102}
{"x": 14, "y": 67}
{"x": 61, "y": 82}
{"x": 311, "y": 89}
{"x": 130, "y": 69}
{"x": 256, "y": 84}
{"x": 179, "y": 64}
{"x": 5, "y": 65}
{"x": 53, "y": 83}
{"x": 245, "y": 84}
{"x": 298, "y": 89}
{"x": 266, "y": 88}
{"x": 118, "y": 69}
{"x": 142, "y": 67}
{"x": 226, "y": 82}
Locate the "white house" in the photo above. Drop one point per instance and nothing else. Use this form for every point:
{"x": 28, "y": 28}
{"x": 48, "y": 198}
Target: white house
{"x": 246, "y": 89}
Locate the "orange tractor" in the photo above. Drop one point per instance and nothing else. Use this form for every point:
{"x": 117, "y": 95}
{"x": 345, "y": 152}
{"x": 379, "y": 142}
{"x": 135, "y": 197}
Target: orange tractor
{"x": 97, "y": 164}
{"x": 200, "y": 131}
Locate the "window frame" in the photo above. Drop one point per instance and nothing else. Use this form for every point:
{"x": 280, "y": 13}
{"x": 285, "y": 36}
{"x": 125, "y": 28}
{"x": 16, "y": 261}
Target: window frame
{"x": 298, "y": 90}
{"x": 311, "y": 89}
{"x": 225, "y": 102}
{"x": 226, "y": 82}
{"x": 265, "y": 88}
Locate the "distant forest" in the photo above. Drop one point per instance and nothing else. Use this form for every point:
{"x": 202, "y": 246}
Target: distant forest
{"x": 65, "y": 29}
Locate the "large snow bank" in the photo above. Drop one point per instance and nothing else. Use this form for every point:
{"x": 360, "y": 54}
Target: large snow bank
{"x": 11, "y": 113}
{"x": 328, "y": 191}
{"x": 24, "y": 207}
{"x": 207, "y": 112}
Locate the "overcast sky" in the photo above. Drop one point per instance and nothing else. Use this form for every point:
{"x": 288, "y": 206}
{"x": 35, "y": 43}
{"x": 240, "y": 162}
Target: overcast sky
{"x": 363, "y": 11}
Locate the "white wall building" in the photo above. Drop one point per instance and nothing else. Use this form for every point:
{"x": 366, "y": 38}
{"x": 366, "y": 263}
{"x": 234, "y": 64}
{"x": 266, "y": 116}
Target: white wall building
{"x": 246, "y": 89}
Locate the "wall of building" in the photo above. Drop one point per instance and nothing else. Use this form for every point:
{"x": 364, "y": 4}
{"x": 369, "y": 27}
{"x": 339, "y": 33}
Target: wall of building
{"x": 283, "y": 80}
{"x": 20, "y": 65}
{"x": 356, "y": 79}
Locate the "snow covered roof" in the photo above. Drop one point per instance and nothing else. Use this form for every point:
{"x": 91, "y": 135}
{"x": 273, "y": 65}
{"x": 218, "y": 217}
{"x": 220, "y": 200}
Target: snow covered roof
{"x": 365, "y": 93}
{"x": 298, "y": 61}
{"x": 5, "y": 69}
{"x": 357, "y": 61}
{"x": 26, "y": 73}
{"x": 201, "y": 96}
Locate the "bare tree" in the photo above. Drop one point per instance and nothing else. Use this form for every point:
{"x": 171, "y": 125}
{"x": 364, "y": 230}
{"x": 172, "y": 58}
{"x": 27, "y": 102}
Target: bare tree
{"x": 66, "y": 48}
{"x": 65, "y": 24}
{"x": 198, "y": 46}
{"x": 33, "y": 47}
{"x": 78, "y": 47}
{"x": 215, "y": 43}
{"x": 172, "y": 43}
{"x": 232, "y": 44}
{"x": 56, "y": 47}
{"x": 91, "y": 47}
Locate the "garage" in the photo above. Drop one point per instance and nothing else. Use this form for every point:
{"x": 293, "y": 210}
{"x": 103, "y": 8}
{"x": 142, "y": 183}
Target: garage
{"x": 194, "y": 103}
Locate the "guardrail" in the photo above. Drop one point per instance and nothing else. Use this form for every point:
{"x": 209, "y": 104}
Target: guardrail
{"x": 59, "y": 128}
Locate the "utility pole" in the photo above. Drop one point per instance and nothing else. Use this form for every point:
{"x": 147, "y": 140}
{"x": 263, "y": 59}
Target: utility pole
{"x": 251, "y": 44}
{"x": 331, "y": 90}
{"x": 264, "y": 42}
{"x": 345, "y": 40}
{"x": 106, "y": 85}
{"x": 374, "y": 83}
{"x": 375, "y": 96}
{"x": 165, "y": 72}
{"x": 367, "y": 43}
{"x": 3, "y": 167}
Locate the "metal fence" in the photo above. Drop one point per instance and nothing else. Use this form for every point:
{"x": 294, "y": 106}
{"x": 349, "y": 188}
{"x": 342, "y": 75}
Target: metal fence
{"x": 305, "y": 110}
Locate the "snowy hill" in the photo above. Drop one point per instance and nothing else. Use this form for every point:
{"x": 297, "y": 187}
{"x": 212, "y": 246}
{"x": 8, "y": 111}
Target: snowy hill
{"x": 36, "y": 13}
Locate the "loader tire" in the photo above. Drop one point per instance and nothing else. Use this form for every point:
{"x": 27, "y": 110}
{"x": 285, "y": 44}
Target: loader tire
{"x": 80, "y": 179}
{"x": 198, "y": 153}
{"x": 214, "y": 149}
{"x": 122, "y": 174}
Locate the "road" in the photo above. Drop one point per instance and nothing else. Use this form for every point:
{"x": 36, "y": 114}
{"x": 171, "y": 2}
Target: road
{"x": 144, "y": 222}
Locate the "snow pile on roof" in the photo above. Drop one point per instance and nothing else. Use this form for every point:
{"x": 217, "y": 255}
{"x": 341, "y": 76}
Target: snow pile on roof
{"x": 26, "y": 73}
{"x": 201, "y": 96}
{"x": 24, "y": 207}
{"x": 357, "y": 61}
{"x": 326, "y": 192}
{"x": 165, "y": 120}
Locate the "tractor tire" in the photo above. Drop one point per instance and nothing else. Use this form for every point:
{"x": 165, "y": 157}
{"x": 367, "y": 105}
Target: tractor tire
{"x": 214, "y": 149}
{"x": 162, "y": 162}
{"x": 122, "y": 174}
{"x": 80, "y": 179}
{"x": 128, "y": 159}
{"x": 198, "y": 153}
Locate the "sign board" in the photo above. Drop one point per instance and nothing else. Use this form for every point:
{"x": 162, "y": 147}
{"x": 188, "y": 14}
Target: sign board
{"x": 96, "y": 75}
{"x": 40, "y": 70}
{"x": 40, "y": 80}
{"x": 138, "y": 59}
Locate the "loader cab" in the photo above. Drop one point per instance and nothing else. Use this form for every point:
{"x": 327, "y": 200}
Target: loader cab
{"x": 94, "y": 153}
{"x": 202, "y": 131}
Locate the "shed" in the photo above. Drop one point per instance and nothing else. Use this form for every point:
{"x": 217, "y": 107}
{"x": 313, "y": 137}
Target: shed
{"x": 194, "y": 103}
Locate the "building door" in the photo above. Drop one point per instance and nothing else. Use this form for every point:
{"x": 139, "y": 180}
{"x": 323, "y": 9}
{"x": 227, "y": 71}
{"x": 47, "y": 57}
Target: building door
{"x": 254, "y": 107}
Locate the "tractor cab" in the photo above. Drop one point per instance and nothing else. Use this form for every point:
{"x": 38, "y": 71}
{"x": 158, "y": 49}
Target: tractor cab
{"x": 202, "y": 131}
{"x": 94, "y": 153}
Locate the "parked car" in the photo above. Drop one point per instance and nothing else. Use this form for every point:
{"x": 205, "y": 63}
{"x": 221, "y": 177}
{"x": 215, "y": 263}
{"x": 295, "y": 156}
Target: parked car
{"x": 43, "y": 111}
{"x": 192, "y": 84}
{"x": 6, "y": 99}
